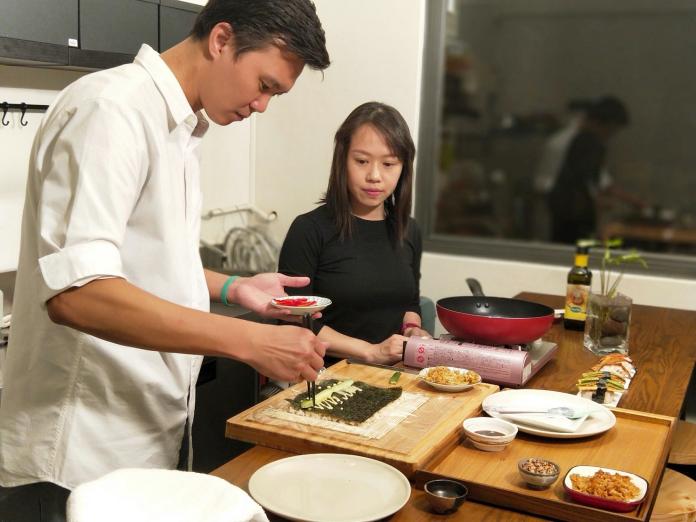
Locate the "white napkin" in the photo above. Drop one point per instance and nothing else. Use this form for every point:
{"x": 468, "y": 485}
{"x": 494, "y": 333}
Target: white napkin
{"x": 545, "y": 421}
{"x": 151, "y": 495}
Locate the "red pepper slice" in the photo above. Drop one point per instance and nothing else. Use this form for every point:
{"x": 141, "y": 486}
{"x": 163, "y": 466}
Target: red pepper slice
{"x": 296, "y": 301}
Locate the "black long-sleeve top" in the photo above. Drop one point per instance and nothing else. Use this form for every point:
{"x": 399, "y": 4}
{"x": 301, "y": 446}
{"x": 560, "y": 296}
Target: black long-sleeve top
{"x": 572, "y": 199}
{"x": 371, "y": 282}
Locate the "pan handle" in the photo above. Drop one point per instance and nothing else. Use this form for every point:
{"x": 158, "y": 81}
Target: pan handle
{"x": 475, "y": 287}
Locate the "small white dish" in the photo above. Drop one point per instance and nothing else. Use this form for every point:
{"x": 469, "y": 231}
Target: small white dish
{"x": 423, "y": 375}
{"x": 489, "y": 434}
{"x": 488, "y": 447}
{"x": 292, "y": 303}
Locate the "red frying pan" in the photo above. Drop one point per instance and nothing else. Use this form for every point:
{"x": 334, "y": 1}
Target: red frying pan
{"x": 493, "y": 320}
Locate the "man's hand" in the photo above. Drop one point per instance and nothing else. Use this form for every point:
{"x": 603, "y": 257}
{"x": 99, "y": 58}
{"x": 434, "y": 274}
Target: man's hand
{"x": 255, "y": 293}
{"x": 286, "y": 353}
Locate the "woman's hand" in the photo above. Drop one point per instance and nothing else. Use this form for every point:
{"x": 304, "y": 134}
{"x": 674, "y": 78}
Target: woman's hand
{"x": 415, "y": 331}
{"x": 388, "y": 351}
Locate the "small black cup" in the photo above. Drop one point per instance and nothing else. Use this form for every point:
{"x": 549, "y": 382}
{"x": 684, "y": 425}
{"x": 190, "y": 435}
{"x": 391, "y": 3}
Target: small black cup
{"x": 445, "y": 495}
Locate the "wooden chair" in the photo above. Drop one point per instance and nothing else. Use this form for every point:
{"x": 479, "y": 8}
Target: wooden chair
{"x": 684, "y": 444}
{"x": 676, "y": 499}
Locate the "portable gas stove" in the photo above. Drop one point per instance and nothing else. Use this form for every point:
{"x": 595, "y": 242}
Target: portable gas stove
{"x": 503, "y": 365}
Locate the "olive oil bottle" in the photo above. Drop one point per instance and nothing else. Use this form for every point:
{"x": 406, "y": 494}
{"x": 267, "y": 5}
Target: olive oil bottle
{"x": 577, "y": 291}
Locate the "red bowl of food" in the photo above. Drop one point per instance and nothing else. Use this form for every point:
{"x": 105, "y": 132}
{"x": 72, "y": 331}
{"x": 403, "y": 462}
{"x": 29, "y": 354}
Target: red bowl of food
{"x": 605, "y": 488}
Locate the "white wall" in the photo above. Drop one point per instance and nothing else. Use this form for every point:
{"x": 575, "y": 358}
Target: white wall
{"x": 226, "y": 160}
{"x": 374, "y": 47}
{"x": 376, "y": 51}
{"x": 226, "y": 167}
{"x": 17, "y": 85}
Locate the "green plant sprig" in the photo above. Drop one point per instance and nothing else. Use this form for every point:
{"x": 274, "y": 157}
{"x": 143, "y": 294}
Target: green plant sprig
{"x": 612, "y": 263}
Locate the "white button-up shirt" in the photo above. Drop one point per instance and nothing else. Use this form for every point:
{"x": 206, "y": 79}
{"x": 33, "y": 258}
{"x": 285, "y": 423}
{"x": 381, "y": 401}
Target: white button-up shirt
{"x": 113, "y": 191}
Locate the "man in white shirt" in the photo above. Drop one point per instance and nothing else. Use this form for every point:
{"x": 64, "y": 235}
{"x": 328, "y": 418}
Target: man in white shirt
{"x": 110, "y": 315}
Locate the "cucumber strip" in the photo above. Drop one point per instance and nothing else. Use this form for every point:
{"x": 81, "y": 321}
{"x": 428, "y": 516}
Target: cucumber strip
{"x": 325, "y": 394}
{"x": 395, "y": 378}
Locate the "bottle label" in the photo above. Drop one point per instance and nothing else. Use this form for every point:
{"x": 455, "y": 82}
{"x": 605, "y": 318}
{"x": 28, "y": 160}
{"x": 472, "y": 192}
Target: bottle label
{"x": 581, "y": 260}
{"x": 576, "y": 302}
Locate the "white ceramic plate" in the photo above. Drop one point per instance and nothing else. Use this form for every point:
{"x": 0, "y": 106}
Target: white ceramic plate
{"x": 423, "y": 374}
{"x": 599, "y": 420}
{"x": 330, "y": 487}
{"x": 321, "y": 303}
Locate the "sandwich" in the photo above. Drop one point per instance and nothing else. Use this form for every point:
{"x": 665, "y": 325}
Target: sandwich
{"x": 616, "y": 364}
{"x": 613, "y": 381}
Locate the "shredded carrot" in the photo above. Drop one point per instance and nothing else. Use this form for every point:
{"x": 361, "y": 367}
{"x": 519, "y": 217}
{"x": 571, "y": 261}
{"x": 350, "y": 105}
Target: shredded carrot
{"x": 444, "y": 375}
{"x": 606, "y": 485}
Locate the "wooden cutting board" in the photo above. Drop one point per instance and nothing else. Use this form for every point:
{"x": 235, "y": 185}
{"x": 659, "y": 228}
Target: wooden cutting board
{"x": 639, "y": 443}
{"x": 424, "y": 437}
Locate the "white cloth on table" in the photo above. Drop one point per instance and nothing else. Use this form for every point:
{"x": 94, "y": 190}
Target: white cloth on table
{"x": 545, "y": 422}
{"x": 151, "y": 495}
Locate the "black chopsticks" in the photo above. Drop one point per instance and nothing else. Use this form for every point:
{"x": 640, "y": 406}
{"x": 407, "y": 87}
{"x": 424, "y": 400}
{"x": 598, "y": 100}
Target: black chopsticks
{"x": 312, "y": 392}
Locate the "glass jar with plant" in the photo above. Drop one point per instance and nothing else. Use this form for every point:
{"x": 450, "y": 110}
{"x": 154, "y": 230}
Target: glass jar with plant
{"x": 609, "y": 311}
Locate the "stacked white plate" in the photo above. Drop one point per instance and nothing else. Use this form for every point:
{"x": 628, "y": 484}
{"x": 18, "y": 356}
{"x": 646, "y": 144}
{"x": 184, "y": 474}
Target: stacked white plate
{"x": 595, "y": 419}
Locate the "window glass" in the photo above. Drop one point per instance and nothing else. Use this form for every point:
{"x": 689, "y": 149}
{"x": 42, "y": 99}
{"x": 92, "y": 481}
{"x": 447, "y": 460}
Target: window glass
{"x": 555, "y": 120}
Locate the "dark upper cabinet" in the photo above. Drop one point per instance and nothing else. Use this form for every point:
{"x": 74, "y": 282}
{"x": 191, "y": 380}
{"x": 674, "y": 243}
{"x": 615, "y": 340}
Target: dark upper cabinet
{"x": 118, "y": 26}
{"x": 176, "y": 21}
{"x": 53, "y": 22}
{"x": 110, "y": 32}
{"x": 37, "y": 31}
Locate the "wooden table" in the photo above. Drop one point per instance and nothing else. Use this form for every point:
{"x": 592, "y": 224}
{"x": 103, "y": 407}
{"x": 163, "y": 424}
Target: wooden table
{"x": 662, "y": 345}
{"x": 239, "y": 470}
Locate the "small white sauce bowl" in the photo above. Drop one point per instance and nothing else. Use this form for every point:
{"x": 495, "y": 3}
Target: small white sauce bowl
{"x": 474, "y": 427}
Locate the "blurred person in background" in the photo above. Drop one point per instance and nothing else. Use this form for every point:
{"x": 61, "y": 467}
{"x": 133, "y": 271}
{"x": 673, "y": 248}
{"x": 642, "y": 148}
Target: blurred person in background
{"x": 583, "y": 178}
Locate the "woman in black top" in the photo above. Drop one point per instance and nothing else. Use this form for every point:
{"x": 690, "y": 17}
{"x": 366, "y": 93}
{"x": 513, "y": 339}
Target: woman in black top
{"x": 360, "y": 248}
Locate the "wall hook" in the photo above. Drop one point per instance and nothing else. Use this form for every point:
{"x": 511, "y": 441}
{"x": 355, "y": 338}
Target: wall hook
{"x": 23, "y": 106}
{"x": 5, "y": 108}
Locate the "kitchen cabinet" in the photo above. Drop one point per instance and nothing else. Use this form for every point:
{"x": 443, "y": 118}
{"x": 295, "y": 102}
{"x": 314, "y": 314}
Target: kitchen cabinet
{"x": 89, "y": 34}
{"x": 112, "y": 32}
{"x": 52, "y": 22}
{"x": 118, "y": 27}
{"x": 175, "y": 21}
{"x": 37, "y": 31}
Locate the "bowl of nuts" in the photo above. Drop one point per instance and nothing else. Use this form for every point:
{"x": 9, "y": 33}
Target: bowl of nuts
{"x": 538, "y": 473}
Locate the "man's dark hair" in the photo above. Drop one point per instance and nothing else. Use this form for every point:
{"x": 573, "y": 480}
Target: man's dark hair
{"x": 391, "y": 125}
{"x": 609, "y": 110}
{"x": 294, "y": 24}
{"x": 578, "y": 104}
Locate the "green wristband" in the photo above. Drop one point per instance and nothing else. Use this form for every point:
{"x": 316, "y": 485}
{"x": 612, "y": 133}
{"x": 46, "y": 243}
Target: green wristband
{"x": 223, "y": 292}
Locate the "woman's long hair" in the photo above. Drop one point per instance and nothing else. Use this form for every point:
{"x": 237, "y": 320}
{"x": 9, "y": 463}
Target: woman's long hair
{"x": 392, "y": 126}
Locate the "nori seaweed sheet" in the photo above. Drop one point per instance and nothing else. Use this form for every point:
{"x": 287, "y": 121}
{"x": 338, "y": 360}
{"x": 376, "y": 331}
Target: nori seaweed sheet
{"x": 356, "y": 409}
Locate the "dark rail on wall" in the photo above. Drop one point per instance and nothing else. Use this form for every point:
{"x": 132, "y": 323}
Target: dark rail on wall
{"x": 24, "y": 107}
